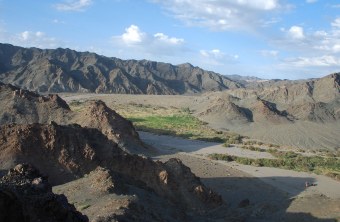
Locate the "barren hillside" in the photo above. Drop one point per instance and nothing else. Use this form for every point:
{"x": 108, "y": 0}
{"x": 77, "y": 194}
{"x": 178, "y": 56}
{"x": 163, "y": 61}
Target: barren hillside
{"x": 65, "y": 70}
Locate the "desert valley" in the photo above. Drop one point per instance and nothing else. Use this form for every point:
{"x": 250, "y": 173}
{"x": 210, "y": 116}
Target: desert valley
{"x": 86, "y": 137}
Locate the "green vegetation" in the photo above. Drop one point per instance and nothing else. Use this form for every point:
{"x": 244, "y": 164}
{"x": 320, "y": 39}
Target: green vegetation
{"x": 253, "y": 148}
{"x": 84, "y": 206}
{"x": 329, "y": 166}
{"x": 182, "y": 125}
{"x": 233, "y": 139}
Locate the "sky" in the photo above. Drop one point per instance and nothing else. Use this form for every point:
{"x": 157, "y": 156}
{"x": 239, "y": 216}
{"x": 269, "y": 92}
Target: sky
{"x": 270, "y": 39}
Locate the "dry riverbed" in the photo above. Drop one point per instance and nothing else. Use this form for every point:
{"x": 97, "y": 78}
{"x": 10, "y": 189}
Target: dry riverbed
{"x": 273, "y": 194}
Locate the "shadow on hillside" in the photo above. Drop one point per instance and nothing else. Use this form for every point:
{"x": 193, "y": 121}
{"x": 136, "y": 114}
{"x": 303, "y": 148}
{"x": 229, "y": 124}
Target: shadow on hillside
{"x": 266, "y": 203}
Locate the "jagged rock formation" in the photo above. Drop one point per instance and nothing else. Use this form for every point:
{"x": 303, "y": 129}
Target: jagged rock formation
{"x": 65, "y": 70}
{"x": 68, "y": 152}
{"x": 96, "y": 114}
{"x": 25, "y": 107}
{"x": 25, "y": 195}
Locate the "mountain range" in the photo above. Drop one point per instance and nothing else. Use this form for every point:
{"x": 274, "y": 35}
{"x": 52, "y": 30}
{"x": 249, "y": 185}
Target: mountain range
{"x": 65, "y": 70}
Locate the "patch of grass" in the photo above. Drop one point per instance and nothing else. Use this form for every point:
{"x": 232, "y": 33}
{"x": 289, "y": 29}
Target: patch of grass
{"x": 329, "y": 166}
{"x": 84, "y": 206}
{"x": 234, "y": 139}
{"x": 175, "y": 122}
{"x": 76, "y": 103}
{"x": 253, "y": 148}
{"x": 227, "y": 145}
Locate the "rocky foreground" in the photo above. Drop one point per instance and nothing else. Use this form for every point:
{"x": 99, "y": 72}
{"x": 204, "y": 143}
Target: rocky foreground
{"x": 94, "y": 146}
{"x": 26, "y": 195}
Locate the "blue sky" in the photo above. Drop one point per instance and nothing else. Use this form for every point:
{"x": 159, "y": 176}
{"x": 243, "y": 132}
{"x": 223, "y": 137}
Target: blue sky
{"x": 264, "y": 38}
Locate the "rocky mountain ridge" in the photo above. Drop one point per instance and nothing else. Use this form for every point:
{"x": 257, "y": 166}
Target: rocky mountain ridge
{"x": 65, "y": 70}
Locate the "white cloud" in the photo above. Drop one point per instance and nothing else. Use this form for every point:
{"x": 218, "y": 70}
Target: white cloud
{"x": 167, "y": 39}
{"x": 36, "y": 39}
{"x": 217, "y": 57}
{"x": 24, "y": 35}
{"x": 133, "y": 35}
{"x": 325, "y": 60}
{"x": 259, "y": 4}
{"x": 311, "y": 1}
{"x": 148, "y": 45}
{"x": 30, "y": 39}
{"x": 296, "y": 32}
{"x": 73, "y": 5}
{"x": 222, "y": 14}
{"x": 336, "y": 23}
{"x": 336, "y": 48}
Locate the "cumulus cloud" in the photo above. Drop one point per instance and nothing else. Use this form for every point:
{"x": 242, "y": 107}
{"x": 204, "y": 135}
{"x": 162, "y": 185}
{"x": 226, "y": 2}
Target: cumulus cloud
{"x": 296, "y": 32}
{"x": 312, "y": 51}
{"x": 133, "y": 35}
{"x": 217, "y": 57}
{"x": 222, "y": 14}
{"x": 73, "y": 5}
{"x": 167, "y": 39}
{"x": 155, "y": 44}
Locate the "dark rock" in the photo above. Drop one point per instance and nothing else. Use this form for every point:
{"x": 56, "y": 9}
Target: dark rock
{"x": 244, "y": 203}
{"x": 20, "y": 200}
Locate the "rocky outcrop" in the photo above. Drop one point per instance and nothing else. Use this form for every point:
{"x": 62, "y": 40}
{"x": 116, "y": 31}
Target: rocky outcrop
{"x": 265, "y": 111}
{"x": 69, "y": 152}
{"x": 25, "y": 195}
{"x": 222, "y": 108}
{"x": 25, "y": 107}
{"x": 22, "y": 106}
{"x": 65, "y": 70}
{"x": 96, "y": 114}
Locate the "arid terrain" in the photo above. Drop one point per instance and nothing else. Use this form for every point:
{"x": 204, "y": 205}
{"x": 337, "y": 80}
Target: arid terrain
{"x": 183, "y": 143}
{"x": 273, "y": 194}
